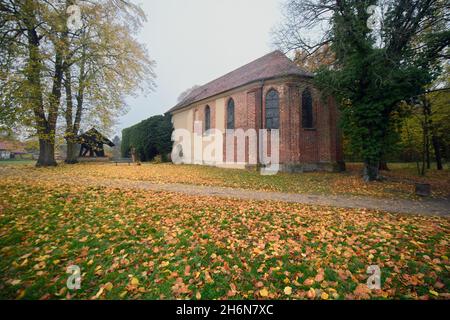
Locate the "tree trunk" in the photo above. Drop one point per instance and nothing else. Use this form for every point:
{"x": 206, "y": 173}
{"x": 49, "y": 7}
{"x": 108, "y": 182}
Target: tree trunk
{"x": 134, "y": 155}
{"x": 384, "y": 166}
{"x": 72, "y": 156}
{"x": 446, "y": 150}
{"x": 427, "y": 127}
{"x": 45, "y": 126}
{"x": 73, "y": 125}
{"x": 46, "y": 153}
{"x": 371, "y": 171}
{"x": 424, "y": 151}
{"x": 437, "y": 152}
{"x": 427, "y": 153}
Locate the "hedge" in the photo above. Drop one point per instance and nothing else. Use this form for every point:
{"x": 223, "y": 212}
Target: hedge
{"x": 150, "y": 138}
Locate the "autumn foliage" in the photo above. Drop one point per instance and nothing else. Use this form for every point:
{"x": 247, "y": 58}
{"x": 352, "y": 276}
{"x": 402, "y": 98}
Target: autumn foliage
{"x": 133, "y": 244}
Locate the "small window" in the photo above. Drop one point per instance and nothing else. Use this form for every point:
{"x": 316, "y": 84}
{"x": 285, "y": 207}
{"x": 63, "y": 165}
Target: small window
{"x": 272, "y": 110}
{"x": 207, "y": 118}
{"x": 230, "y": 114}
{"x": 307, "y": 110}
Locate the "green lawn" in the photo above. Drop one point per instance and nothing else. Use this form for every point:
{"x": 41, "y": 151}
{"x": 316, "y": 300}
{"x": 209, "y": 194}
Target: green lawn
{"x": 17, "y": 162}
{"x": 148, "y": 245}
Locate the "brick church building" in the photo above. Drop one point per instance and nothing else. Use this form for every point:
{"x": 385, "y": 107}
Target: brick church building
{"x": 271, "y": 92}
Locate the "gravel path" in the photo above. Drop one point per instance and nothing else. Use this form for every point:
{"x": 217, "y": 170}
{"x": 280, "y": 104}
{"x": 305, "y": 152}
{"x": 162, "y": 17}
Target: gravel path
{"x": 425, "y": 207}
{"x": 433, "y": 207}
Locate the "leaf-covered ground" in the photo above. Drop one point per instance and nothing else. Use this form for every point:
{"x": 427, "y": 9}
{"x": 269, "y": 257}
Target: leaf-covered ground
{"x": 399, "y": 183}
{"x": 148, "y": 245}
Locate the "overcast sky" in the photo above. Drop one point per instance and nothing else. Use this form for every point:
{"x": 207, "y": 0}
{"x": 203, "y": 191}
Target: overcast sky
{"x": 196, "y": 41}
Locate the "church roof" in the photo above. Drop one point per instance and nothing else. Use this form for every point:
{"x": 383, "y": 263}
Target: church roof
{"x": 270, "y": 66}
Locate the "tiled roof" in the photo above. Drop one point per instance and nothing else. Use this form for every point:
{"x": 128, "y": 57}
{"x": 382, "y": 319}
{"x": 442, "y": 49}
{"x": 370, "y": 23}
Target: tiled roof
{"x": 12, "y": 146}
{"x": 272, "y": 65}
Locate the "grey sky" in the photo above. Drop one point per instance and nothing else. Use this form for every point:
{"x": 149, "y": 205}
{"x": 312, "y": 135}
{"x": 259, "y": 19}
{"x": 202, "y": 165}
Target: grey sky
{"x": 196, "y": 41}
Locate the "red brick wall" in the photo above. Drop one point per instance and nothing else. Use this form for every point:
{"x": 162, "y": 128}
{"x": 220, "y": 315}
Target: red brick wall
{"x": 199, "y": 114}
{"x": 319, "y": 145}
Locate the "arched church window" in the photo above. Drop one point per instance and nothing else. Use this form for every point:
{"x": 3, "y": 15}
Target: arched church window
{"x": 230, "y": 114}
{"x": 307, "y": 110}
{"x": 207, "y": 118}
{"x": 272, "y": 110}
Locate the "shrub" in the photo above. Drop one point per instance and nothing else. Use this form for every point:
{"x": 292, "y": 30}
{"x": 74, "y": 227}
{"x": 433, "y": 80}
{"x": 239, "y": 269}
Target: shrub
{"x": 150, "y": 138}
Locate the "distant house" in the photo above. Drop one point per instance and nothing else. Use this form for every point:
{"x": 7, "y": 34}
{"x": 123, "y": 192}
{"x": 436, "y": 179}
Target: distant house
{"x": 11, "y": 150}
{"x": 269, "y": 93}
{"x": 5, "y": 152}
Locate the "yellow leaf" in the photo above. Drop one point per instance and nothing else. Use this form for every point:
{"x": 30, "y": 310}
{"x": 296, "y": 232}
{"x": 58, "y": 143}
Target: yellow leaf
{"x": 108, "y": 286}
{"x": 295, "y": 282}
{"x": 123, "y": 294}
{"x": 434, "y": 293}
{"x": 99, "y": 293}
{"x": 264, "y": 293}
{"x": 61, "y": 292}
{"x": 25, "y": 256}
{"x": 21, "y": 294}
{"x": 288, "y": 291}
{"x": 98, "y": 271}
{"x": 134, "y": 281}
{"x": 208, "y": 277}
{"x": 39, "y": 266}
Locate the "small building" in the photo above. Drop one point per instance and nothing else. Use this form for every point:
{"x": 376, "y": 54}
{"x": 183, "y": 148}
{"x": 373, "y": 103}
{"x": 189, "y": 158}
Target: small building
{"x": 92, "y": 144}
{"x": 11, "y": 150}
{"x": 269, "y": 93}
{"x": 5, "y": 152}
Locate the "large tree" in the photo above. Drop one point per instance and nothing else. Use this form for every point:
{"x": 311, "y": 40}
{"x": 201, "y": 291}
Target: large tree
{"x": 312, "y": 62}
{"x": 32, "y": 40}
{"x": 426, "y": 131}
{"x": 377, "y": 65}
{"x": 106, "y": 64}
{"x": 42, "y": 59}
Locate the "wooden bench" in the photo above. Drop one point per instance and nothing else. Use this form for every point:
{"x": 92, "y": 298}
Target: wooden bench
{"x": 122, "y": 160}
